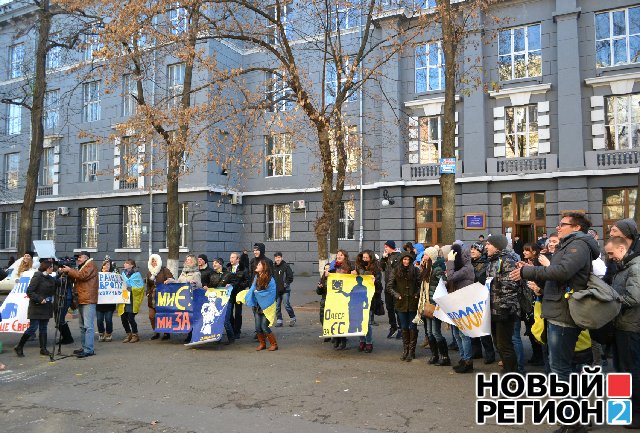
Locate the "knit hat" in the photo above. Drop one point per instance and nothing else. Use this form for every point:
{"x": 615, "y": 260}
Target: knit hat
{"x": 432, "y": 253}
{"x": 204, "y": 257}
{"x": 478, "y": 247}
{"x": 219, "y": 260}
{"x": 498, "y": 241}
{"x": 391, "y": 244}
{"x": 445, "y": 250}
{"x": 628, "y": 227}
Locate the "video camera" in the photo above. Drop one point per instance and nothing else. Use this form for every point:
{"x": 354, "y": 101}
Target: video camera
{"x": 64, "y": 261}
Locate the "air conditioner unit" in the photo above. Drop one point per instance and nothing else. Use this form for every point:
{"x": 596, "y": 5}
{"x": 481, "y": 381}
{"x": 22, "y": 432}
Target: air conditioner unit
{"x": 64, "y": 211}
{"x": 298, "y": 204}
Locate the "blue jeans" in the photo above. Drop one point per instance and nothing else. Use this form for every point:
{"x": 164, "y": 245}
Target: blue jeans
{"x": 562, "y": 343}
{"x": 37, "y": 324}
{"x": 86, "y": 318}
{"x": 464, "y": 344}
{"x": 626, "y": 360}
{"x": 433, "y": 329}
{"x": 517, "y": 344}
{"x": 287, "y": 306}
{"x": 262, "y": 324}
{"x": 406, "y": 318}
{"x": 368, "y": 337}
{"x": 105, "y": 318}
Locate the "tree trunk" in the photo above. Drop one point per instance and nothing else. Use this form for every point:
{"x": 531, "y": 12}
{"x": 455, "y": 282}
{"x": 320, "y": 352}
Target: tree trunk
{"x": 323, "y": 223}
{"x": 36, "y": 150}
{"x": 636, "y": 215}
{"x": 447, "y": 181}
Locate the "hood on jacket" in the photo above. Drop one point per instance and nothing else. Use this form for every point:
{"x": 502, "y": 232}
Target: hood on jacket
{"x": 260, "y": 248}
{"x": 591, "y": 242}
{"x": 419, "y": 251}
{"x": 406, "y": 254}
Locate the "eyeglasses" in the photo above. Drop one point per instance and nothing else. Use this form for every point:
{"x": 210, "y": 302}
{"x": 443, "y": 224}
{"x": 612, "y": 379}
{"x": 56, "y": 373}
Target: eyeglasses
{"x": 563, "y": 224}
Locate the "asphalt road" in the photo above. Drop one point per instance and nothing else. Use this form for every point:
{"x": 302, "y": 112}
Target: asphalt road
{"x": 306, "y": 386}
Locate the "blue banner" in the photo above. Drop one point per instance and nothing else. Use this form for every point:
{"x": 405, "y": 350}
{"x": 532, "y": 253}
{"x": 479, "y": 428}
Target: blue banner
{"x": 174, "y": 308}
{"x": 209, "y": 311}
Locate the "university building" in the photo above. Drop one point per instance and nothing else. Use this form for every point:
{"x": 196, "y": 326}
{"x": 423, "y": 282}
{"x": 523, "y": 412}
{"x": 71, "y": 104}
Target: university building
{"x": 554, "y": 126}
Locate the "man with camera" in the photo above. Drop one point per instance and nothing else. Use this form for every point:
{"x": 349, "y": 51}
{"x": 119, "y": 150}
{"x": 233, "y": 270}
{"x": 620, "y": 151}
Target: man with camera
{"x": 86, "y": 289}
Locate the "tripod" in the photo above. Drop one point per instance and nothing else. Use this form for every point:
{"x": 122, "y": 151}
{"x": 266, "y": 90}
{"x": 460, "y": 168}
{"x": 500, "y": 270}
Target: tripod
{"x": 60, "y": 301}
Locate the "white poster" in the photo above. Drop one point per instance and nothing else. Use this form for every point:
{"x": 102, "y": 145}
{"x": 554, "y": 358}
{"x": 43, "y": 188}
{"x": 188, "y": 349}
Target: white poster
{"x": 14, "y": 308}
{"x": 111, "y": 289}
{"x": 466, "y": 308}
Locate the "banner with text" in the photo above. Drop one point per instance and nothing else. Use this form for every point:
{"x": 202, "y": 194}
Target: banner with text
{"x": 466, "y": 308}
{"x": 174, "y": 308}
{"x": 346, "y": 311}
{"x": 209, "y": 311}
{"x": 14, "y": 308}
{"x": 111, "y": 289}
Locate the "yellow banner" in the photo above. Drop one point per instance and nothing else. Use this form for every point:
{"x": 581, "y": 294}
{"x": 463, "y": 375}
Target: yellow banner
{"x": 346, "y": 311}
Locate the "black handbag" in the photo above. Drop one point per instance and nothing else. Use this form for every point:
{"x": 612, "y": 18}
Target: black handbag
{"x": 378, "y": 306}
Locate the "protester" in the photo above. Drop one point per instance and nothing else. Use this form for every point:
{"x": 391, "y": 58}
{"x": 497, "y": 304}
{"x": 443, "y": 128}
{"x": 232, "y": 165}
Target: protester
{"x": 221, "y": 278}
{"x": 482, "y": 344}
{"x": 86, "y": 288}
{"x": 41, "y": 290}
{"x": 341, "y": 265}
{"x": 517, "y": 245}
{"x": 156, "y": 274}
{"x": 388, "y": 263}
{"x": 190, "y": 274}
{"x": 135, "y": 287}
{"x": 205, "y": 270}
{"x": 321, "y": 290}
{"x": 367, "y": 264}
{"x": 284, "y": 277}
{"x": 258, "y": 254}
{"x": 531, "y": 253}
{"x": 405, "y": 288}
{"x": 239, "y": 282}
{"x": 549, "y": 248}
{"x": 263, "y": 281}
{"x": 104, "y": 312}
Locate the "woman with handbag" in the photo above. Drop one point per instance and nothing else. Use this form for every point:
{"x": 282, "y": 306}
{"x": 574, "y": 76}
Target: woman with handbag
{"x": 367, "y": 264}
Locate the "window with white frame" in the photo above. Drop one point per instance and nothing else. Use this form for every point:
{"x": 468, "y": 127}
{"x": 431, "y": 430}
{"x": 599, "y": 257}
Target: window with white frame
{"x": 278, "y": 222}
{"x": 278, "y": 94}
{"x": 279, "y": 150}
{"x": 11, "y": 170}
{"x": 521, "y": 128}
{"x": 51, "y": 108}
{"x": 14, "y": 118}
{"x": 178, "y": 19}
{"x": 185, "y": 162}
{"x": 331, "y": 82}
{"x": 618, "y": 37}
{"x": 131, "y": 226}
{"x": 424, "y": 4}
{"x": 10, "y": 230}
{"x": 91, "y": 101}
{"x": 16, "y": 61}
{"x": 48, "y": 225}
{"x": 89, "y": 161}
{"x": 287, "y": 18}
{"x": 345, "y": 15}
{"x": 183, "y": 224}
{"x": 351, "y": 146}
{"x": 91, "y": 44}
{"x": 520, "y": 53}
{"x": 47, "y": 167}
{"x": 430, "y": 136}
{"x": 175, "y": 83}
{"x": 129, "y": 92}
{"x": 347, "y": 220}
{"x": 89, "y": 227}
{"x": 54, "y": 58}
{"x": 429, "y": 67}
{"x": 128, "y": 163}
{"x": 622, "y": 127}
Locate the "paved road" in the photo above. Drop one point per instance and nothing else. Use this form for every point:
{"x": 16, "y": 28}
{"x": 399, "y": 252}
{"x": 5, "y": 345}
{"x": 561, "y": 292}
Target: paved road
{"x": 306, "y": 386}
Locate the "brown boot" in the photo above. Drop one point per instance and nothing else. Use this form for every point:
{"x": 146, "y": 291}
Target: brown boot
{"x": 108, "y": 338}
{"x": 272, "y": 341}
{"x": 261, "y": 340}
{"x": 128, "y": 338}
{"x": 134, "y": 338}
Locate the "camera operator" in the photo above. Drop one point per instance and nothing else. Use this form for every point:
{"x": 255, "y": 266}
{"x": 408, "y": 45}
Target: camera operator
{"x": 86, "y": 288}
{"x": 67, "y": 292}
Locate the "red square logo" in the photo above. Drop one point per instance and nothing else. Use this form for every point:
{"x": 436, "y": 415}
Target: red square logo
{"x": 619, "y": 385}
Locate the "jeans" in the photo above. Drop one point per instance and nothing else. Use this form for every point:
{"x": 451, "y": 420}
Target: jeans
{"x": 285, "y": 296}
{"x": 464, "y": 344}
{"x": 627, "y": 360}
{"x": 368, "y": 337}
{"x": 562, "y": 343}
{"x": 262, "y": 324}
{"x": 517, "y": 345}
{"x": 86, "y": 319}
{"x": 37, "y": 324}
{"x": 433, "y": 329}
{"x": 502, "y": 331}
{"x": 406, "y": 320}
{"x": 129, "y": 322}
{"x": 105, "y": 318}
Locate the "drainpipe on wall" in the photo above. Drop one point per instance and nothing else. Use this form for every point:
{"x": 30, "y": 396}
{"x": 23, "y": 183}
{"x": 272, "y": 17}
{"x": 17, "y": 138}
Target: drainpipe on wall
{"x": 361, "y": 133}
{"x": 153, "y": 103}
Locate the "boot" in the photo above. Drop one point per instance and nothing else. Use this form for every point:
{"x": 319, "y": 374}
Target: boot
{"x": 368, "y": 348}
{"x": 273, "y": 344}
{"x": 361, "y": 346}
{"x": 43, "y": 345}
{"x": 413, "y": 342}
{"x": 465, "y": 367}
{"x": 134, "y": 338}
{"x": 444, "y": 353}
{"x": 128, "y": 337}
{"x": 65, "y": 334}
{"x": 261, "y": 340}
{"x": 433, "y": 345}
{"x": 166, "y": 336}
{"x": 155, "y": 336}
{"x": 405, "y": 344}
{"x": 21, "y": 343}
{"x": 336, "y": 343}
{"x": 108, "y": 338}
{"x": 101, "y": 337}
{"x": 343, "y": 343}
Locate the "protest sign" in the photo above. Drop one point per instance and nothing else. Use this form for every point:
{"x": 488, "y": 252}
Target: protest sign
{"x": 111, "y": 289}
{"x": 14, "y": 308}
{"x": 346, "y": 311}
{"x": 209, "y": 311}
{"x": 174, "y": 308}
{"x": 468, "y": 309}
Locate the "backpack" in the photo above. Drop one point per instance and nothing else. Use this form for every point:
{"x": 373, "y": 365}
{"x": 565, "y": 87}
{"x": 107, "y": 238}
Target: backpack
{"x": 595, "y": 306}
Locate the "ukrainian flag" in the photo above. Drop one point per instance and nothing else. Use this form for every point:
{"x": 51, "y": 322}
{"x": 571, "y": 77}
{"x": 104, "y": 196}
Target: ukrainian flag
{"x": 265, "y": 299}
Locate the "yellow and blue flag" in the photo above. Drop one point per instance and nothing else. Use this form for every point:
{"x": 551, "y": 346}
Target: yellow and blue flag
{"x": 265, "y": 299}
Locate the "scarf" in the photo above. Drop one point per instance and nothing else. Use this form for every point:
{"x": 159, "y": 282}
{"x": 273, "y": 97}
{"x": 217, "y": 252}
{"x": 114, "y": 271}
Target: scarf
{"x": 154, "y": 271}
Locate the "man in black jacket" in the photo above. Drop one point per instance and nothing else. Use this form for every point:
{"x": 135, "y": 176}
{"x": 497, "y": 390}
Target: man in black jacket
{"x": 239, "y": 282}
{"x": 389, "y": 261}
{"x": 221, "y": 278}
{"x": 205, "y": 270}
{"x": 284, "y": 277}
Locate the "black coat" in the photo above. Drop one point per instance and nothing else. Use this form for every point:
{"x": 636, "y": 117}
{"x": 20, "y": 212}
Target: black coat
{"x": 283, "y": 276}
{"x": 205, "y": 276}
{"x": 405, "y": 284}
{"x": 41, "y": 287}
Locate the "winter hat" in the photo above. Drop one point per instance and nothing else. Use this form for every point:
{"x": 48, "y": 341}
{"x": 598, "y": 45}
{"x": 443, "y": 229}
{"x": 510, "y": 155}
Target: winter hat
{"x": 478, "y": 247}
{"x": 391, "y": 244}
{"x": 204, "y": 257}
{"x": 219, "y": 260}
{"x": 498, "y": 241}
{"x": 628, "y": 227}
{"x": 445, "y": 250}
{"x": 432, "y": 253}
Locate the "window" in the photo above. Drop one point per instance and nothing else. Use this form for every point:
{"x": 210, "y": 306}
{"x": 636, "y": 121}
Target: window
{"x": 89, "y": 227}
{"x": 429, "y": 67}
{"x": 331, "y": 85}
{"x": 128, "y": 164}
{"x": 186, "y": 160}
{"x": 425, "y": 4}
{"x": 520, "y": 53}
{"x": 51, "y": 106}
{"x": 14, "y": 119}
{"x": 279, "y": 157}
{"x": 622, "y": 121}
{"x": 430, "y": 136}
{"x": 429, "y": 220}
{"x": 10, "y": 230}
{"x": 11, "y": 170}
{"x": 618, "y": 37}
{"x": 178, "y": 19}
{"x": 280, "y": 96}
{"x": 175, "y": 82}
{"x": 286, "y": 20}
{"x": 524, "y": 215}
{"x": 351, "y": 145}
{"x": 54, "y": 58}
{"x": 183, "y": 224}
{"x": 129, "y": 92}
{"x": 521, "y": 127}
{"x": 91, "y": 101}
{"x": 347, "y": 220}
{"x": 47, "y": 162}
{"x": 617, "y": 204}
{"x": 89, "y": 153}
{"x": 91, "y": 44}
{"x": 347, "y": 16}
{"x": 48, "y": 225}
{"x": 16, "y": 61}
{"x": 278, "y": 222}
{"x": 131, "y": 226}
